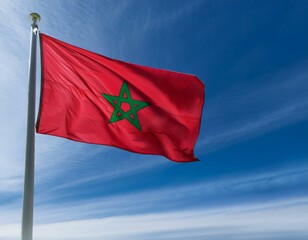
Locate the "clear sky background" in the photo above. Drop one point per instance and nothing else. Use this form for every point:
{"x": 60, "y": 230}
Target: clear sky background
{"x": 252, "y": 180}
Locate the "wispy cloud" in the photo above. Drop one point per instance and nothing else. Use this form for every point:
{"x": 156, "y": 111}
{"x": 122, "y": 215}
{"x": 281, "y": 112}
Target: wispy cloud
{"x": 13, "y": 67}
{"x": 52, "y": 206}
{"x": 244, "y": 112}
{"x": 274, "y": 220}
{"x": 173, "y": 197}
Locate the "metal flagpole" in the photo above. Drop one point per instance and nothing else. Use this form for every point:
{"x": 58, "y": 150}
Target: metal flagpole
{"x": 27, "y": 211}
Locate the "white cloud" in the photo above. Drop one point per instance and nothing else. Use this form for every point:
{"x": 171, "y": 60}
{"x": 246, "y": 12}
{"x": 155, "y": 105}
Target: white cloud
{"x": 13, "y": 79}
{"x": 274, "y": 219}
{"x": 167, "y": 197}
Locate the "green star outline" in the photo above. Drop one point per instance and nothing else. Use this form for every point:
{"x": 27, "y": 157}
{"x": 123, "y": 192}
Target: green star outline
{"x": 125, "y": 97}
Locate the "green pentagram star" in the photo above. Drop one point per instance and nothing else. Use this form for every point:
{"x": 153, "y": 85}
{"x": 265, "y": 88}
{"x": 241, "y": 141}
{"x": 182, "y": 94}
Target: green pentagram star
{"x": 125, "y": 98}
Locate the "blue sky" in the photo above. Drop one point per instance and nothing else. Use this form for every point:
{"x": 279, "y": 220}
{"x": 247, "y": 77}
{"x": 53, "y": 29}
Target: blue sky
{"x": 252, "y": 180}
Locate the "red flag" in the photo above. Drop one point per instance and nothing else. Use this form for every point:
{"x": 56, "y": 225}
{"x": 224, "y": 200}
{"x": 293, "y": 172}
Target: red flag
{"x": 90, "y": 98}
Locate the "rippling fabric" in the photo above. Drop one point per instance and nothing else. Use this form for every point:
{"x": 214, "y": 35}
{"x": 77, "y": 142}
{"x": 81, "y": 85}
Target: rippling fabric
{"x": 91, "y": 98}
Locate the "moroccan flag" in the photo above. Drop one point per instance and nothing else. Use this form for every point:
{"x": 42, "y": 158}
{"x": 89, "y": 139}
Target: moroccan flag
{"x": 90, "y": 98}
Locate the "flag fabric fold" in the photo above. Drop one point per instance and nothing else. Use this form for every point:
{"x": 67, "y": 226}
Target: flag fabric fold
{"x": 91, "y": 98}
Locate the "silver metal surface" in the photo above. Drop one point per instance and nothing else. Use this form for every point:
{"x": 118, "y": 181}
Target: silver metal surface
{"x": 28, "y": 194}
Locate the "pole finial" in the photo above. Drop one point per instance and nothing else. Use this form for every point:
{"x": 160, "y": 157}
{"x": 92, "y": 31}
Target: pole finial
{"x": 34, "y": 18}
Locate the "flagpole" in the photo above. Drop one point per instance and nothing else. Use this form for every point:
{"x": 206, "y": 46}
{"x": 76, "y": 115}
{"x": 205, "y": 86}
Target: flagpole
{"x": 28, "y": 194}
